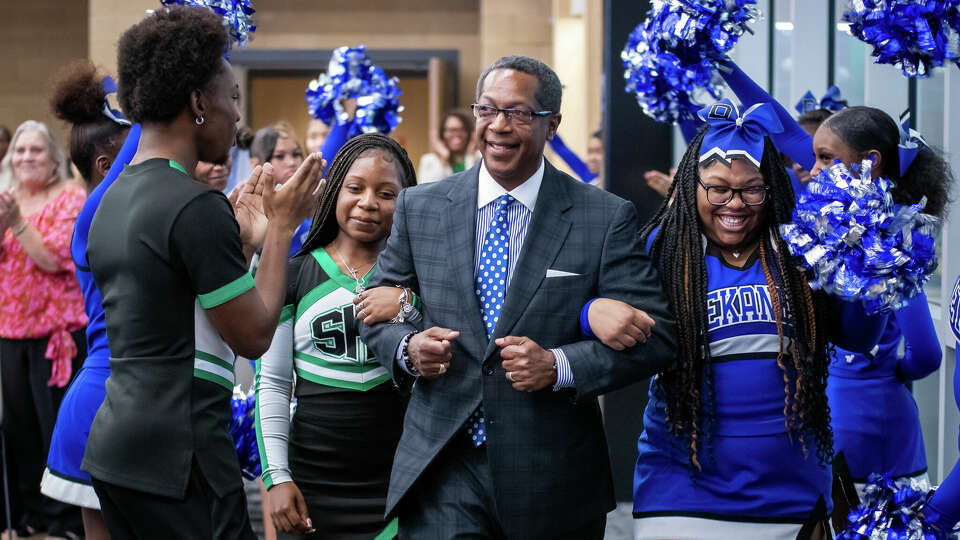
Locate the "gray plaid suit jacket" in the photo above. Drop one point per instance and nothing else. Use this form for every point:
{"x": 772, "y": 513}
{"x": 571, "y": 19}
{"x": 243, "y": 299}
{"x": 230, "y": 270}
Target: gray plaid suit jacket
{"x": 546, "y": 449}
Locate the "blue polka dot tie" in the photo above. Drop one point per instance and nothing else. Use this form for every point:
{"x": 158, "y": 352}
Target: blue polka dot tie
{"x": 491, "y": 288}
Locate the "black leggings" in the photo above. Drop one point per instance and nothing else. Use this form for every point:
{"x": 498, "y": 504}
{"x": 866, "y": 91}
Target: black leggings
{"x": 29, "y": 414}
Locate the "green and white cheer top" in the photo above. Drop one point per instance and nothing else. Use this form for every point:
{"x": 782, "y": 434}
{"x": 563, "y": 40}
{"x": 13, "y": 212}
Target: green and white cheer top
{"x": 318, "y": 341}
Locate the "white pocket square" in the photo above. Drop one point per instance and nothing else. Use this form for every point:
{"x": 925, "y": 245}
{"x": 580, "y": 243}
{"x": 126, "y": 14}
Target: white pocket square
{"x": 559, "y": 273}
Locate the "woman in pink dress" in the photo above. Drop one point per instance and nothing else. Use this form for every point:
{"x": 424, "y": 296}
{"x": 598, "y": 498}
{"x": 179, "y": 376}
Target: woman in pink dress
{"x": 41, "y": 318}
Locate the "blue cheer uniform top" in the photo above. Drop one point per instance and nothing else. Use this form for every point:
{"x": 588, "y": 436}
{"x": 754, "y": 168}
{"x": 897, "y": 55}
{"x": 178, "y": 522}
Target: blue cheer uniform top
{"x": 755, "y": 482}
{"x": 875, "y": 419}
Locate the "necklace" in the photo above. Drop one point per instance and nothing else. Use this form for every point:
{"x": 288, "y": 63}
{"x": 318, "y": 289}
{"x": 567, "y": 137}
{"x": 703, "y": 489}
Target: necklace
{"x": 354, "y": 273}
{"x": 736, "y": 254}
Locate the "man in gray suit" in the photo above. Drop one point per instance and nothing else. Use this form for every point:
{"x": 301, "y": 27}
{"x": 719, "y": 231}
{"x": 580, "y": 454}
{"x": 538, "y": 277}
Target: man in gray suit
{"x": 503, "y": 436}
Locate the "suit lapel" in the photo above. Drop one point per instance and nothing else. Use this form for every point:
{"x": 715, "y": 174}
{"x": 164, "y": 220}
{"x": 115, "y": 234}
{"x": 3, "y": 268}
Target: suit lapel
{"x": 461, "y": 221}
{"x": 545, "y": 236}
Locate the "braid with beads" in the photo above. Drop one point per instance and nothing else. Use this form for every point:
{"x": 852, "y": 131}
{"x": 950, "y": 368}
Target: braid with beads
{"x": 325, "y": 227}
{"x": 678, "y": 250}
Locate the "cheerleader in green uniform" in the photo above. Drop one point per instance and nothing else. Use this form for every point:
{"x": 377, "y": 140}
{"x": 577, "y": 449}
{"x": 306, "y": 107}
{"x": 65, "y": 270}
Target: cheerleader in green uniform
{"x": 327, "y": 470}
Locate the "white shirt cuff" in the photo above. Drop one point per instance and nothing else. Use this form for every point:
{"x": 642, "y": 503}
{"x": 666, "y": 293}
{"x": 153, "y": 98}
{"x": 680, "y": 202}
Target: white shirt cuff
{"x": 564, "y": 372}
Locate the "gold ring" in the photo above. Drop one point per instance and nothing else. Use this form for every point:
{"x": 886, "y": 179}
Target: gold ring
{"x": 443, "y": 369}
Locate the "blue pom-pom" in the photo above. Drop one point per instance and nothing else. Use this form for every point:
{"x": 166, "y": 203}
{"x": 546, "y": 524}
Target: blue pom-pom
{"x": 893, "y": 510}
{"x": 351, "y": 74}
{"x": 914, "y": 35}
{"x": 244, "y": 433}
{"x": 237, "y": 15}
{"x": 669, "y": 58}
{"x": 858, "y": 243}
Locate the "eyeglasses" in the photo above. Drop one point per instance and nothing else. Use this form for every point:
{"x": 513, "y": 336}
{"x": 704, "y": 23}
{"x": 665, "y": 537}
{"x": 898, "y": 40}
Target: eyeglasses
{"x": 489, "y": 113}
{"x": 722, "y": 195}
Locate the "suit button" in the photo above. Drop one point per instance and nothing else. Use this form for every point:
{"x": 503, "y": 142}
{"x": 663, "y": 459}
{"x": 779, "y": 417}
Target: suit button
{"x": 488, "y": 370}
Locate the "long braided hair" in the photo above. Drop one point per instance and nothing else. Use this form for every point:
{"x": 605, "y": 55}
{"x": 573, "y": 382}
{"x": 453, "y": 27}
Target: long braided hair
{"x": 678, "y": 250}
{"x": 325, "y": 227}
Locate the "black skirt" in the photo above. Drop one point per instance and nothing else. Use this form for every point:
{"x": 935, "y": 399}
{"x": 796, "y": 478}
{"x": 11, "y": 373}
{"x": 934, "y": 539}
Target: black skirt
{"x": 341, "y": 451}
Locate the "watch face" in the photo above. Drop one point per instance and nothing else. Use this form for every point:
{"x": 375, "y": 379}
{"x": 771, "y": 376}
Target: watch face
{"x": 407, "y": 309}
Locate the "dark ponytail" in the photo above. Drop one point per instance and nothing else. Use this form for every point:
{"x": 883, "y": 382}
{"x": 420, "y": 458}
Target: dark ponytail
{"x": 868, "y": 128}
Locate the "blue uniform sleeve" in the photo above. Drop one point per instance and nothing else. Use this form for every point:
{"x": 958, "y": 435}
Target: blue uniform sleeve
{"x": 793, "y": 141}
{"x": 571, "y": 159}
{"x": 81, "y": 229}
{"x": 849, "y": 326}
{"x": 689, "y": 128}
{"x": 922, "y": 348}
{"x": 335, "y": 140}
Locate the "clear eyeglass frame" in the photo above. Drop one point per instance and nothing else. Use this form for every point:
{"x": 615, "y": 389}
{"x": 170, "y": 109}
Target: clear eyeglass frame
{"x": 489, "y": 113}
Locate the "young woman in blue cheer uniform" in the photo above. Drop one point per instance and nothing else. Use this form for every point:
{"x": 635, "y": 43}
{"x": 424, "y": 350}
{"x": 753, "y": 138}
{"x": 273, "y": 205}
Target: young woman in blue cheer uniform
{"x": 737, "y": 436}
{"x": 874, "y": 416}
{"x": 95, "y": 148}
{"x": 875, "y": 419}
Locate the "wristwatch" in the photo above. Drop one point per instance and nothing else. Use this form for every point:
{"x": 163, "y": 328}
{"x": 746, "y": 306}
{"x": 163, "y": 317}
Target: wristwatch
{"x": 406, "y": 308}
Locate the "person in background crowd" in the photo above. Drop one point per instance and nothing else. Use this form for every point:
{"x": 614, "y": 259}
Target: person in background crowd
{"x": 317, "y": 131}
{"x": 452, "y": 151}
{"x": 240, "y": 167}
{"x": 349, "y": 413}
{"x": 4, "y": 140}
{"x": 503, "y": 435}
{"x": 277, "y": 145}
{"x": 595, "y": 156}
{"x": 41, "y": 317}
{"x": 80, "y": 98}
{"x": 170, "y": 256}
{"x": 4, "y": 169}
{"x": 875, "y": 419}
{"x": 214, "y": 175}
{"x": 737, "y": 438}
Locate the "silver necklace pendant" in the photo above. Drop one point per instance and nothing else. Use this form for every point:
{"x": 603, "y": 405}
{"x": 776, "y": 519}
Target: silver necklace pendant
{"x": 360, "y": 285}
{"x": 736, "y": 254}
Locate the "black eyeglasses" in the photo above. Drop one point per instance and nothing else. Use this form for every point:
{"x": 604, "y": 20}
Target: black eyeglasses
{"x": 722, "y": 195}
{"x": 489, "y": 113}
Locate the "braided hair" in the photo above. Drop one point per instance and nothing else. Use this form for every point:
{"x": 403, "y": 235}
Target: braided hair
{"x": 325, "y": 227}
{"x": 677, "y": 251}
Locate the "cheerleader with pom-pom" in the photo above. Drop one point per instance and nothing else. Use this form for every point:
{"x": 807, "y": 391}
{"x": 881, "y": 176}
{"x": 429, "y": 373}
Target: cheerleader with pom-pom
{"x": 874, "y": 416}
{"x": 736, "y": 440}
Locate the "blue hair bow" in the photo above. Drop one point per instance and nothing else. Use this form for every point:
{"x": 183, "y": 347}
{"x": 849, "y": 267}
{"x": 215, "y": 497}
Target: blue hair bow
{"x": 110, "y": 87}
{"x": 732, "y": 134}
{"x": 910, "y": 144}
{"x": 831, "y": 101}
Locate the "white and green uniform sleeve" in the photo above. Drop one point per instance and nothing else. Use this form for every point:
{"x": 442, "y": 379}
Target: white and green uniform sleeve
{"x": 274, "y": 384}
{"x": 213, "y": 359}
